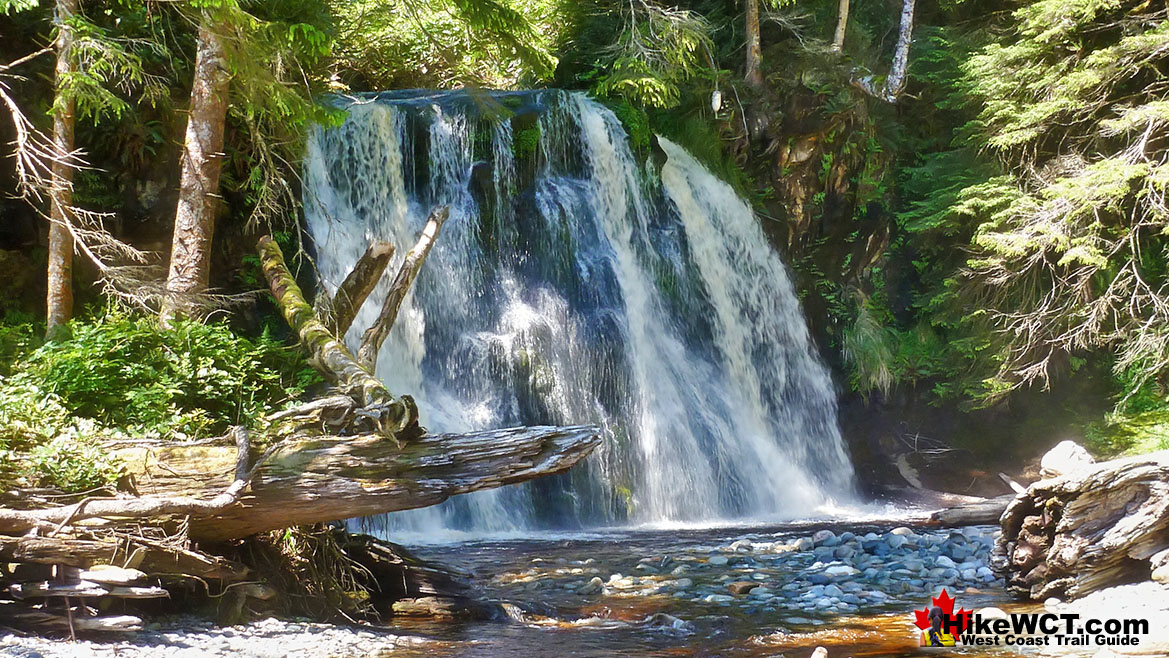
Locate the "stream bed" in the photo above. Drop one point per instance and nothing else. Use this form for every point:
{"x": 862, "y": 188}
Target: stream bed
{"x": 740, "y": 591}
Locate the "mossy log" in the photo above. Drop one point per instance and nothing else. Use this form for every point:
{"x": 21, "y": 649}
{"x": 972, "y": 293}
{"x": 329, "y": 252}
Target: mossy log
{"x": 1101, "y": 525}
{"x": 332, "y": 358}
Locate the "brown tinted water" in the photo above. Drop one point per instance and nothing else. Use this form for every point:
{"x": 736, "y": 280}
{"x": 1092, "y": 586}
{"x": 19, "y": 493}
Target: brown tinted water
{"x": 634, "y": 614}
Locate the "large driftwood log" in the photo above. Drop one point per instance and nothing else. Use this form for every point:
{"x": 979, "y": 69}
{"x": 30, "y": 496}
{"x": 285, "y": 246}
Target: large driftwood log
{"x": 139, "y": 507}
{"x": 1100, "y": 525}
{"x": 326, "y": 478}
{"x": 150, "y": 557}
{"x": 316, "y": 479}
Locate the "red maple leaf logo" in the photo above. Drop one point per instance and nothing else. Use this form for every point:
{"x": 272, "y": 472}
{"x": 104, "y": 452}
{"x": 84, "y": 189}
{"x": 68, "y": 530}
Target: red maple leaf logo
{"x": 946, "y": 603}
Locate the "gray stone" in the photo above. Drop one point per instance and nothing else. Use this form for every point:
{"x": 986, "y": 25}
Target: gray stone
{"x": 1066, "y": 458}
{"x": 592, "y": 587}
{"x": 821, "y": 536}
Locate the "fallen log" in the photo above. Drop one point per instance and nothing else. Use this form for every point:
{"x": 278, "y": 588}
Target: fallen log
{"x": 316, "y": 479}
{"x": 326, "y": 478}
{"x": 151, "y": 559}
{"x": 982, "y": 512}
{"x": 1087, "y": 529}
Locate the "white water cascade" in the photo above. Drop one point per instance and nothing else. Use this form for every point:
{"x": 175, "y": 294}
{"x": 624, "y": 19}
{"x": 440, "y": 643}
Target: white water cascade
{"x": 573, "y": 284}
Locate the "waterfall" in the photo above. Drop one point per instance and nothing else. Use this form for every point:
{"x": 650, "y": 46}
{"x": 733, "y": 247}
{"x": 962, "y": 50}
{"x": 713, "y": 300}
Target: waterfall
{"x": 574, "y": 283}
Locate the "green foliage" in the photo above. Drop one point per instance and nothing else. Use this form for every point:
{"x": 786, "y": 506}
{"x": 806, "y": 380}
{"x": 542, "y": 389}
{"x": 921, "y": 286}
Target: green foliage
{"x": 656, "y": 50}
{"x": 121, "y": 375}
{"x": 636, "y": 123}
{"x": 192, "y": 379}
{"x": 526, "y": 142}
{"x": 444, "y": 43}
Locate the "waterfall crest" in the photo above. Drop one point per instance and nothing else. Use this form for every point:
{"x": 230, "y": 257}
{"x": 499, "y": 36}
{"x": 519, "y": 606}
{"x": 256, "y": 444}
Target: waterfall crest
{"x": 572, "y": 284}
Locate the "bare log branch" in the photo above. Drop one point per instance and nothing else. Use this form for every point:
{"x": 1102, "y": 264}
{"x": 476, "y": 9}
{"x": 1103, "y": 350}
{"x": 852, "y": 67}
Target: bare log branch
{"x": 362, "y": 279}
{"x": 332, "y": 357}
{"x": 372, "y": 339}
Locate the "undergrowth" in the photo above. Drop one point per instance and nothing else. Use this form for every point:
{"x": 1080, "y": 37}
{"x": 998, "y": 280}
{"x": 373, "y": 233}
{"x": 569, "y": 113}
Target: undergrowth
{"x": 124, "y": 376}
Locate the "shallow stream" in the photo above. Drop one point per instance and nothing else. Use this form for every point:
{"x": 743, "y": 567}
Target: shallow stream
{"x": 668, "y": 592}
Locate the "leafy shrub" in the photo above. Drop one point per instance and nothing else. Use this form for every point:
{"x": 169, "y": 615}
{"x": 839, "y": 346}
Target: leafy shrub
{"x": 125, "y": 376}
{"x": 193, "y": 379}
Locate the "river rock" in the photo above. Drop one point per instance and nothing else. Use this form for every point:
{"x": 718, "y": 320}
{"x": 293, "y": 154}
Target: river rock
{"x": 819, "y": 652}
{"x": 833, "y": 590}
{"x": 742, "y": 546}
{"x": 843, "y": 552}
{"x": 1066, "y": 458}
{"x": 718, "y": 561}
{"x": 895, "y": 541}
{"x": 742, "y": 586}
{"x": 664, "y": 620}
{"x": 822, "y": 537}
{"x": 945, "y": 562}
{"x": 592, "y": 587}
{"x": 804, "y": 544}
{"x": 840, "y": 571}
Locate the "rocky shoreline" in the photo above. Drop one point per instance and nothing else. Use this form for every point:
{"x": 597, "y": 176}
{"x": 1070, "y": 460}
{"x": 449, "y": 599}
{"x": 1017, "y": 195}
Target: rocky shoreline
{"x": 188, "y": 637}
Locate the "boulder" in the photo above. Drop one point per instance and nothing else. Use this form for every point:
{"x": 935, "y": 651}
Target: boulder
{"x": 1066, "y": 458}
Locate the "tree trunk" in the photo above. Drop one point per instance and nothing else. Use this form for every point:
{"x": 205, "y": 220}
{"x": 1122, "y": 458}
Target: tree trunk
{"x": 372, "y": 339}
{"x": 391, "y": 415}
{"x": 1102, "y": 525}
{"x": 59, "y": 300}
{"x": 841, "y": 26}
{"x": 190, "y": 259}
{"x": 895, "y": 83}
{"x": 754, "y": 75}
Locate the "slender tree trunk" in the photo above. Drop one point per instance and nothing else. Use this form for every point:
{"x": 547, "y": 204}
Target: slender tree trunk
{"x": 754, "y": 75}
{"x": 190, "y": 259}
{"x": 841, "y": 25}
{"x": 895, "y": 83}
{"x": 59, "y": 300}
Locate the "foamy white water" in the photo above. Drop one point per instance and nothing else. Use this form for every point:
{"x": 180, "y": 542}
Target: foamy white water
{"x": 568, "y": 286}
